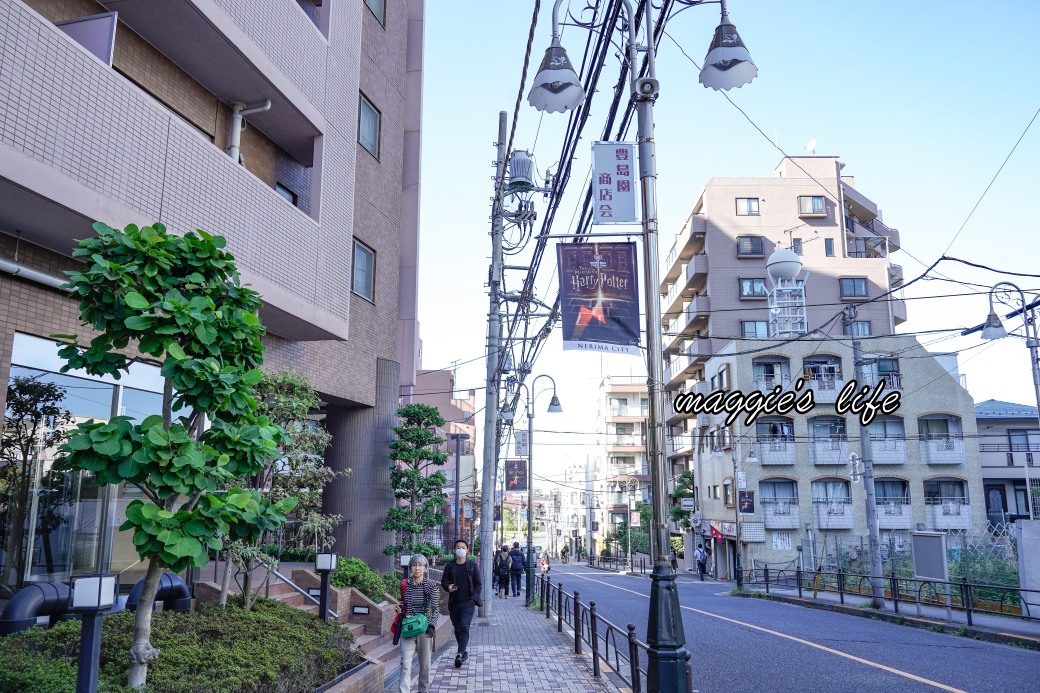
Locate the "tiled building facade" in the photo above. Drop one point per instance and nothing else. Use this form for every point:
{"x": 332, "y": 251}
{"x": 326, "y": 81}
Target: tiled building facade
{"x": 321, "y": 210}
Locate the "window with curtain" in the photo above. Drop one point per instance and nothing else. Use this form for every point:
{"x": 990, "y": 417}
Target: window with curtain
{"x": 783, "y": 490}
{"x": 827, "y": 427}
{"x": 775, "y": 429}
{"x": 938, "y": 490}
{"x": 891, "y": 491}
{"x": 886, "y": 427}
{"x": 830, "y": 491}
{"x": 933, "y": 428}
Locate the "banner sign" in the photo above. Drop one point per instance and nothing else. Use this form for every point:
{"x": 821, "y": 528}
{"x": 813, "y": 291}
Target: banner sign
{"x": 599, "y": 297}
{"x": 498, "y": 513}
{"x": 520, "y": 442}
{"x": 746, "y": 499}
{"x": 516, "y": 475}
{"x": 614, "y": 183}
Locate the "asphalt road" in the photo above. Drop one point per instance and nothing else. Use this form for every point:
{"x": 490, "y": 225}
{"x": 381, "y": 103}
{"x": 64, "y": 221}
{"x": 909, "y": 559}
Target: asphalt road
{"x": 757, "y": 645}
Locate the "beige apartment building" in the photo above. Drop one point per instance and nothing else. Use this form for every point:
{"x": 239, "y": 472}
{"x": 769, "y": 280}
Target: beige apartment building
{"x": 1009, "y": 450}
{"x": 723, "y": 314}
{"x": 292, "y": 128}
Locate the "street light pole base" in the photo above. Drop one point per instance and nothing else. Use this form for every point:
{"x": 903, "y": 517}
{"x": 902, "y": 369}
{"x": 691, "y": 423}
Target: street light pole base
{"x": 666, "y": 656}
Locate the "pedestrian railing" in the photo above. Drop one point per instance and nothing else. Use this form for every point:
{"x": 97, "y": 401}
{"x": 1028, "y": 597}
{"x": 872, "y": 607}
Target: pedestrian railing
{"x": 618, "y": 648}
{"x": 608, "y": 562}
{"x": 969, "y": 598}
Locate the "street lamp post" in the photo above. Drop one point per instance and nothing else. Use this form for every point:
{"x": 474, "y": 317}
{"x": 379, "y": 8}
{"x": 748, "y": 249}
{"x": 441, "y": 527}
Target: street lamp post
{"x": 632, "y": 485}
{"x": 91, "y": 596}
{"x": 752, "y": 458}
{"x": 994, "y": 329}
{"x": 554, "y": 408}
{"x": 556, "y": 88}
{"x": 458, "y": 438}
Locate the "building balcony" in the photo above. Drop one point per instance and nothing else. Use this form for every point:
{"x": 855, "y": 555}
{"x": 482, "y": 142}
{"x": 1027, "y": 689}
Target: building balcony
{"x": 626, "y": 412}
{"x": 898, "y": 306}
{"x": 888, "y": 450}
{"x": 688, "y": 243}
{"x": 767, "y": 384}
{"x": 892, "y": 381}
{"x": 825, "y": 388}
{"x": 781, "y": 514}
{"x": 208, "y": 43}
{"x": 150, "y": 164}
{"x": 888, "y": 232}
{"x": 687, "y": 323}
{"x": 626, "y": 440}
{"x": 895, "y": 276}
{"x": 831, "y": 450}
{"x": 947, "y": 513}
{"x": 772, "y": 451}
{"x": 680, "y": 368}
{"x": 942, "y": 450}
{"x": 894, "y": 513}
{"x": 680, "y": 443}
{"x": 833, "y": 514}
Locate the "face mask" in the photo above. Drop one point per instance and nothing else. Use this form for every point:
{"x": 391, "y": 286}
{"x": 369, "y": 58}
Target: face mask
{"x": 461, "y": 553}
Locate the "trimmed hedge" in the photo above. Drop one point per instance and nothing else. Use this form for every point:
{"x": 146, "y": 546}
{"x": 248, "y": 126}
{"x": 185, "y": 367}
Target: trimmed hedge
{"x": 353, "y": 572}
{"x": 271, "y": 648}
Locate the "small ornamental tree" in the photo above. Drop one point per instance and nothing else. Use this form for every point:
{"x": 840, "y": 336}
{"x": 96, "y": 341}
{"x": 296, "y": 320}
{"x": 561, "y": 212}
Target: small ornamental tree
{"x": 180, "y": 301}
{"x": 35, "y": 420}
{"x": 418, "y": 489}
{"x": 684, "y": 488}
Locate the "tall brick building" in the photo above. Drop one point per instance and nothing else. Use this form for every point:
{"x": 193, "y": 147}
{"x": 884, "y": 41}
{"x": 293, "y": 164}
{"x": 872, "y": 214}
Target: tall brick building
{"x": 124, "y": 111}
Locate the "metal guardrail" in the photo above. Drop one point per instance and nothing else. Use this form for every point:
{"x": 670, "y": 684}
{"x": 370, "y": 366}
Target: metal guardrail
{"x": 302, "y": 591}
{"x": 622, "y": 651}
{"x": 968, "y": 597}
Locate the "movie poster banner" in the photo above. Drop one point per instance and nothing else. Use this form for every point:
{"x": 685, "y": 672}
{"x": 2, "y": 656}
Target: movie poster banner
{"x": 516, "y": 475}
{"x": 599, "y": 297}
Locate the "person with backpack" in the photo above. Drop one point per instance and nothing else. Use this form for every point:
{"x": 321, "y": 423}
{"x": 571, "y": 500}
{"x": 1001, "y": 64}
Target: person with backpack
{"x": 516, "y": 568}
{"x": 702, "y": 560}
{"x": 461, "y": 580}
{"x": 502, "y": 571}
{"x": 420, "y": 601}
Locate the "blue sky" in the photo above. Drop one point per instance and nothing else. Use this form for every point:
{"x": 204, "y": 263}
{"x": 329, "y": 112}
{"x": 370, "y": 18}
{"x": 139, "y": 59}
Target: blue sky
{"x": 921, "y": 100}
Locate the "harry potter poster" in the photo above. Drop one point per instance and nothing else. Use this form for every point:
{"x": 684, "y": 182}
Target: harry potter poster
{"x": 599, "y": 297}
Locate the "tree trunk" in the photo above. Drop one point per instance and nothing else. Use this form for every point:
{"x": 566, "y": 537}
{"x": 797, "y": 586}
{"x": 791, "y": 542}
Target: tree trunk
{"x": 16, "y": 519}
{"x": 247, "y": 584}
{"x": 225, "y": 583}
{"x": 141, "y": 651}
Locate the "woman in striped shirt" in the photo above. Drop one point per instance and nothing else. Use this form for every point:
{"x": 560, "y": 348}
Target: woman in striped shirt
{"x": 419, "y": 593}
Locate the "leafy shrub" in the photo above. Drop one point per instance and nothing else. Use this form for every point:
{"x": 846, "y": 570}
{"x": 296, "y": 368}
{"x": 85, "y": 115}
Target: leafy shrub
{"x": 353, "y": 572}
{"x": 392, "y": 581}
{"x": 290, "y": 554}
{"x": 271, "y": 648}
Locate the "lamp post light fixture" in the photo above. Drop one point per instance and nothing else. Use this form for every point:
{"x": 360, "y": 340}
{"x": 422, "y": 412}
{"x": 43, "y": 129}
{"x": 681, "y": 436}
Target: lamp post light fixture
{"x": 993, "y": 328}
{"x": 729, "y": 66}
{"x": 458, "y": 438}
{"x": 324, "y": 563}
{"x": 91, "y": 595}
{"x": 554, "y": 408}
{"x": 752, "y": 458}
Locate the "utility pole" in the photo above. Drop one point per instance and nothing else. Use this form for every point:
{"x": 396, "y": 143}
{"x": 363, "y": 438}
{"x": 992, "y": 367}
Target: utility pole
{"x": 877, "y": 586}
{"x": 487, "y": 529}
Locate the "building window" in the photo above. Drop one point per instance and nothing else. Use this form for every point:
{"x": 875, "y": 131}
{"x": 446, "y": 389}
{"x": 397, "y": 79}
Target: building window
{"x": 796, "y": 246}
{"x": 286, "y": 194}
{"x": 753, "y": 288}
{"x": 754, "y": 329}
{"x": 378, "y": 8}
{"x": 363, "y": 282}
{"x": 828, "y": 246}
{"x": 727, "y": 492}
{"x": 811, "y": 205}
{"x": 939, "y": 491}
{"x": 853, "y": 287}
{"x": 368, "y": 126}
{"x": 858, "y": 328}
{"x": 747, "y": 206}
{"x": 749, "y": 245}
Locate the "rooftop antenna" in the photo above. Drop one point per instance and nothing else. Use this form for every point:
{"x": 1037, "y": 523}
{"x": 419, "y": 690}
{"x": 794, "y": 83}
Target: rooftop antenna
{"x": 811, "y": 147}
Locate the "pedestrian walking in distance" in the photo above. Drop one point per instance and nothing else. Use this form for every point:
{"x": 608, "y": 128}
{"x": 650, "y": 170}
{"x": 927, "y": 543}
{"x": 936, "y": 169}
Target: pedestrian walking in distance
{"x": 461, "y": 581}
{"x": 419, "y": 595}
{"x": 516, "y": 568}
{"x": 702, "y": 560}
{"x": 546, "y": 567}
{"x": 501, "y": 566}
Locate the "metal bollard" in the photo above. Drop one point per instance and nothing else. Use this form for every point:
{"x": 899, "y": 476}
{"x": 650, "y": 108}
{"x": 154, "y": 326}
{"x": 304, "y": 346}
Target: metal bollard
{"x": 689, "y": 672}
{"x": 895, "y": 590}
{"x": 633, "y": 659}
{"x": 841, "y": 585}
{"x": 594, "y": 638}
{"x": 766, "y": 571}
{"x": 966, "y": 598}
{"x": 577, "y": 624}
{"x": 559, "y": 607}
{"x": 548, "y": 598}
{"x": 798, "y": 577}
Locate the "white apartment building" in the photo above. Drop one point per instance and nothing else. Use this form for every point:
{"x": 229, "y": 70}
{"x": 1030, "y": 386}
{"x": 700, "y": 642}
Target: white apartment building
{"x": 1009, "y": 443}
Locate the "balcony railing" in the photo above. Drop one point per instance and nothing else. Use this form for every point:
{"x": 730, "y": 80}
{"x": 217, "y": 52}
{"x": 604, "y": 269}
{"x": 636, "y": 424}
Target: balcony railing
{"x": 780, "y": 506}
{"x": 767, "y": 383}
{"x": 626, "y": 439}
{"x": 630, "y": 411}
{"x": 942, "y": 449}
{"x": 833, "y": 507}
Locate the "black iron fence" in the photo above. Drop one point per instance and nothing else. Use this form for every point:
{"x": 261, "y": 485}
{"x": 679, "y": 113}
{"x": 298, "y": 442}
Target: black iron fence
{"x": 610, "y": 646}
{"x": 969, "y": 598}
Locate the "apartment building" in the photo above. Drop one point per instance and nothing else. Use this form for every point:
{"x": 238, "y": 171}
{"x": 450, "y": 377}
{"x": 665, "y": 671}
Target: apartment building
{"x": 1009, "y": 440}
{"x": 787, "y": 480}
{"x": 291, "y": 127}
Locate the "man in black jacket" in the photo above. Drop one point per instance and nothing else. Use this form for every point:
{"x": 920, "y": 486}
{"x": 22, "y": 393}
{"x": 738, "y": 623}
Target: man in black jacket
{"x": 461, "y": 580}
{"x": 516, "y": 568}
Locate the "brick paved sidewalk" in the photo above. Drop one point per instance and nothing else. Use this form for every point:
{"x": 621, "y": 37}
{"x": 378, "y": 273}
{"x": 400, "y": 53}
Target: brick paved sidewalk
{"x": 517, "y": 648}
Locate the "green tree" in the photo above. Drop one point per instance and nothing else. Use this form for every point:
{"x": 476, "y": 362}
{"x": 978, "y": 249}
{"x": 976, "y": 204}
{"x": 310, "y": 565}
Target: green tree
{"x": 297, "y": 471}
{"x": 684, "y": 488}
{"x": 418, "y": 490}
{"x": 179, "y": 300}
{"x": 34, "y": 421}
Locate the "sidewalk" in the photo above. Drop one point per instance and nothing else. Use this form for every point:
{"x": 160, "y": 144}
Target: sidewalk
{"x": 516, "y": 648}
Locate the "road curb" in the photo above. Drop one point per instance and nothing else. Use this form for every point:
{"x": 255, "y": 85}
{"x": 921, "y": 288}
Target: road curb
{"x": 905, "y": 620}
